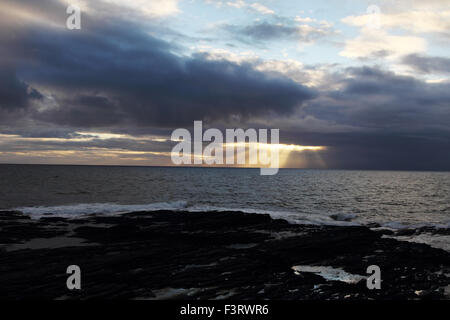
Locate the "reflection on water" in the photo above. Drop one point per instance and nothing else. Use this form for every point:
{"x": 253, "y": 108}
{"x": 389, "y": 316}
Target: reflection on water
{"x": 359, "y": 196}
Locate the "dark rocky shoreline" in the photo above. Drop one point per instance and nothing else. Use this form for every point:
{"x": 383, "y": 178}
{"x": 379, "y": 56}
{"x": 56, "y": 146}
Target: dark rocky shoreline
{"x": 181, "y": 255}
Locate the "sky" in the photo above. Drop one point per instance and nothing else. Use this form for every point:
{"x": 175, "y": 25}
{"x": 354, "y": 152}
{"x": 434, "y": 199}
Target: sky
{"x": 365, "y": 84}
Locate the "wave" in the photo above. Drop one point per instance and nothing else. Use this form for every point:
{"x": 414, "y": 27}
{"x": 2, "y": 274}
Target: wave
{"x": 339, "y": 219}
{"x": 291, "y": 217}
{"x": 82, "y": 209}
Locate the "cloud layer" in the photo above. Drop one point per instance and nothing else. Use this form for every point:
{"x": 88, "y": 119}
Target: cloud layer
{"x": 120, "y": 74}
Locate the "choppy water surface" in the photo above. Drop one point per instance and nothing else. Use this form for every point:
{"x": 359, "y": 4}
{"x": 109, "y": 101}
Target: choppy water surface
{"x": 392, "y": 198}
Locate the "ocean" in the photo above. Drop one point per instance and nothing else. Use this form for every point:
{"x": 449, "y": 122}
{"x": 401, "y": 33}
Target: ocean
{"x": 341, "y": 224}
{"x": 393, "y": 199}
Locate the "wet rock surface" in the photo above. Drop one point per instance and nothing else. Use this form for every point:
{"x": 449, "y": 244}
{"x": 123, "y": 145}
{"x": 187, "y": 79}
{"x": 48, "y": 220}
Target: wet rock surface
{"x": 215, "y": 255}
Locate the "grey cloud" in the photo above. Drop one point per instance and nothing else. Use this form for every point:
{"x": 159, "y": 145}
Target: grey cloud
{"x": 398, "y": 122}
{"x": 265, "y": 31}
{"x": 425, "y": 64}
{"x": 113, "y": 73}
{"x": 16, "y": 96}
{"x": 279, "y": 29}
{"x": 379, "y": 100}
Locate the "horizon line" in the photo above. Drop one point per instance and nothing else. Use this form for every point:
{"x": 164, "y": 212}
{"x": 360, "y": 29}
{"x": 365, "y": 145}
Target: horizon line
{"x": 216, "y": 167}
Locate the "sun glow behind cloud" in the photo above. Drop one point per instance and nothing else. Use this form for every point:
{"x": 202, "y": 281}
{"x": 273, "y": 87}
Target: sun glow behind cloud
{"x": 285, "y": 151}
{"x": 78, "y": 149}
{"x": 107, "y": 135}
{"x": 81, "y": 148}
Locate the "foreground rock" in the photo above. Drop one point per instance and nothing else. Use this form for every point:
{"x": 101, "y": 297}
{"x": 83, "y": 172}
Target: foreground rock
{"x": 163, "y": 255}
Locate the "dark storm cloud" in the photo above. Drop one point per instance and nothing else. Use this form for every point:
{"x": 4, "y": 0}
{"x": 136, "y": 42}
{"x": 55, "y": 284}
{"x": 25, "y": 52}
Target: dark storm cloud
{"x": 372, "y": 99}
{"x": 165, "y": 91}
{"x": 396, "y": 122}
{"x": 16, "y": 96}
{"x": 381, "y": 99}
{"x": 14, "y": 93}
{"x": 112, "y": 72}
{"x": 380, "y": 150}
{"x": 426, "y": 64}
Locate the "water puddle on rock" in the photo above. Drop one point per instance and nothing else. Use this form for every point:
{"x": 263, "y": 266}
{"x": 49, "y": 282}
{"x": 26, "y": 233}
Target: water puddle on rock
{"x": 329, "y": 273}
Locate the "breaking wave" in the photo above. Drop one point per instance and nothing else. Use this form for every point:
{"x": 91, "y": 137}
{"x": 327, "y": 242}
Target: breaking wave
{"x": 83, "y": 209}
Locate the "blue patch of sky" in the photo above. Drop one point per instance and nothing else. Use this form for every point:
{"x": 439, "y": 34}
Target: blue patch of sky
{"x": 200, "y": 21}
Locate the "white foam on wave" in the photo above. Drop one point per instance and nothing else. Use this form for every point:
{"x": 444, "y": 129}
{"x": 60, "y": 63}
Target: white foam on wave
{"x": 291, "y": 217}
{"x": 433, "y": 240}
{"x": 82, "y": 209}
{"x": 340, "y": 219}
{"x": 397, "y": 225}
{"x": 76, "y": 210}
